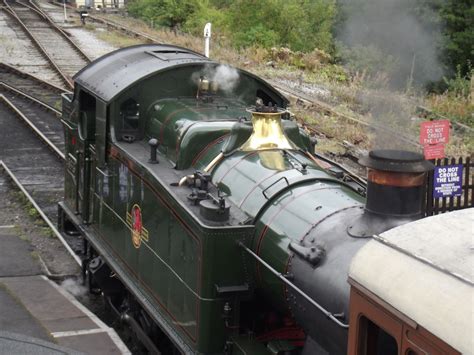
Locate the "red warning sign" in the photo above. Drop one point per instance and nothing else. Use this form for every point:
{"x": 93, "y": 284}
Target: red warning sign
{"x": 434, "y": 132}
{"x": 434, "y": 151}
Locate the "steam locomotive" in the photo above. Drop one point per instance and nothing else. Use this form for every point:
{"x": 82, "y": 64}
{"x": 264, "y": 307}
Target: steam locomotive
{"x": 208, "y": 223}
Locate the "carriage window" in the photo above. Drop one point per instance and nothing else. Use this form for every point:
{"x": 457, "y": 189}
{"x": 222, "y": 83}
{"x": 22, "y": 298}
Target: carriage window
{"x": 373, "y": 340}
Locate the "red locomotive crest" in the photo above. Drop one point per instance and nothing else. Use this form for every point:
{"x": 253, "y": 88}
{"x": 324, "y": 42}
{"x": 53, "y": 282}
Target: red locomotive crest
{"x": 136, "y": 226}
{"x": 135, "y": 222}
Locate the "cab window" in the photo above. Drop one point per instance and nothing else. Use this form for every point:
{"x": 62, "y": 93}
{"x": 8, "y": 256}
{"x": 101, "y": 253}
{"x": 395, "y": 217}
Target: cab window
{"x": 129, "y": 124}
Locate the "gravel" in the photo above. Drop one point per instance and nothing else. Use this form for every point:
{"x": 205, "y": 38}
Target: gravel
{"x": 17, "y": 50}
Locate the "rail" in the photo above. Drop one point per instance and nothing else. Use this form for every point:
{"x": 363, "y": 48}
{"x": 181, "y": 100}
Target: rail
{"x": 38, "y": 45}
{"x": 41, "y": 212}
{"x": 58, "y": 29}
{"x": 30, "y": 98}
{"x": 328, "y": 109}
{"x": 10, "y": 11}
{"x": 24, "y": 119}
{"x": 41, "y": 82}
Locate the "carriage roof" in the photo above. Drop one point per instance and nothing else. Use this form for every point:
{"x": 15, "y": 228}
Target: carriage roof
{"x": 425, "y": 269}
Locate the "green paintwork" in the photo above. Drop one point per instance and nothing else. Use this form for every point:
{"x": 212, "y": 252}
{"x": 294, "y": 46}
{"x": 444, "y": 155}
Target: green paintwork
{"x": 182, "y": 259}
{"x": 178, "y": 260}
{"x": 184, "y": 127}
{"x": 289, "y": 211}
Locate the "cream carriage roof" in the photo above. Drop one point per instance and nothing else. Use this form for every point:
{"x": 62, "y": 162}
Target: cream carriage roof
{"x": 425, "y": 269}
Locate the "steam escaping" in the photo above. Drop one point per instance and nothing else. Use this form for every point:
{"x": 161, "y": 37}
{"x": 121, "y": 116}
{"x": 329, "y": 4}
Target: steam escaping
{"x": 390, "y": 38}
{"x": 74, "y": 287}
{"x": 225, "y": 76}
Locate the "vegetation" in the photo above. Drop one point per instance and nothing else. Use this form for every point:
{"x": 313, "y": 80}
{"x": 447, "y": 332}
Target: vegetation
{"x": 298, "y": 25}
{"x": 304, "y": 41}
{"x": 303, "y": 25}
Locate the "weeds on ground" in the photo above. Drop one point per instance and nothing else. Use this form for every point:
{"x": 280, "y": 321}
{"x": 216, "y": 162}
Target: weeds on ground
{"x": 33, "y": 214}
{"x": 117, "y": 39}
{"x": 454, "y": 107}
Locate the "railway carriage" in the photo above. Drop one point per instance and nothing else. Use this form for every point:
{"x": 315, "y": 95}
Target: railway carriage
{"x": 412, "y": 289}
{"x": 209, "y": 224}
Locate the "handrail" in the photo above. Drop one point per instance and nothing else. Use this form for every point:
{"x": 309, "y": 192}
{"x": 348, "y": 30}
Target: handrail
{"x": 282, "y": 277}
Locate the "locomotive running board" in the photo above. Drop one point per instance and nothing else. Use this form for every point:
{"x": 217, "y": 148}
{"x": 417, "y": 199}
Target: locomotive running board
{"x": 124, "y": 276}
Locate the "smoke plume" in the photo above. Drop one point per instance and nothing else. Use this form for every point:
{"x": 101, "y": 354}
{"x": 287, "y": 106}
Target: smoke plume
{"x": 225, "y": 76}
{"x": 406, "y": 45}
{"x": 397, "y": 29}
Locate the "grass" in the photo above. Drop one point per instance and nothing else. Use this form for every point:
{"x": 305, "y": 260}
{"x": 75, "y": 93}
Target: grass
{"x": 47, "y": 232}
{"x": 454, "y": 107}
{"x": 34, "y": 215}
{"x": 116, "y": 38}
{"x": 33, "y": 212}
{"x": 58, "y": 105}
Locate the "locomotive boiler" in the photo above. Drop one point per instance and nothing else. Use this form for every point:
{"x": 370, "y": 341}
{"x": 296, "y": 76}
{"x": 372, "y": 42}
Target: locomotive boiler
{"x": 210, "y": 225}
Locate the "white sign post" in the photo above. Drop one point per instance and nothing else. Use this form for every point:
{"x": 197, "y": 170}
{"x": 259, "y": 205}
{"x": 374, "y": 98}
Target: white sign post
{"x": 207, "y": 38}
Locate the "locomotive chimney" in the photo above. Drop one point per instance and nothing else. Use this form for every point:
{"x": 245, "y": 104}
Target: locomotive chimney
{"x": 396, "y": 187}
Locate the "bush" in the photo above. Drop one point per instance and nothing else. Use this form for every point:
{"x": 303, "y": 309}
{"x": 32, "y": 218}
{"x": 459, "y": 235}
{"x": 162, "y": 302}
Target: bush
{"x": 455, "y": 108}
{"x": 170, "y": 13}
{"x": 459, "y": 85}
{"x": 203, "y": 14}
{"x": 368, "y": 63}
{"x": 300, "y": 25}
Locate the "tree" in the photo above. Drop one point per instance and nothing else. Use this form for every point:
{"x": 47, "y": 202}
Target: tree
{"x": 170, "y": 13}
{"x": 458, "y": 20}
{"x": 300, "y": 25}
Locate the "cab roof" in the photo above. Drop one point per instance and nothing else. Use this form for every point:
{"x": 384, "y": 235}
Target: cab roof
{"x": 109, "y": 75}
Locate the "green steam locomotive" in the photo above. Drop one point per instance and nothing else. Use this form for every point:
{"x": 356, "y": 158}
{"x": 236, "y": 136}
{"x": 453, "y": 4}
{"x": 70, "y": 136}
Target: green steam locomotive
{"x": 208, "y": 223}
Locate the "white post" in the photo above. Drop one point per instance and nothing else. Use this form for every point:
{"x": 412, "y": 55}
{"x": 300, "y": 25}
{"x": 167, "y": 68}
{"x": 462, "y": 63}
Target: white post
{"x": 65, "y": 15}
{"x": 207, "y": 38}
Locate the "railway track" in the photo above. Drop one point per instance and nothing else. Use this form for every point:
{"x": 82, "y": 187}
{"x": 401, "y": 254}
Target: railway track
{"x": 124, "y": 29}
{"x": 327, "y": 109}
{"x": 59, "y": 50}
{"x": 37, "y": 163}
{"x": 40, "y": 117}
{"x": 31, "y": 85}
{"x": 32, "y": 155}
